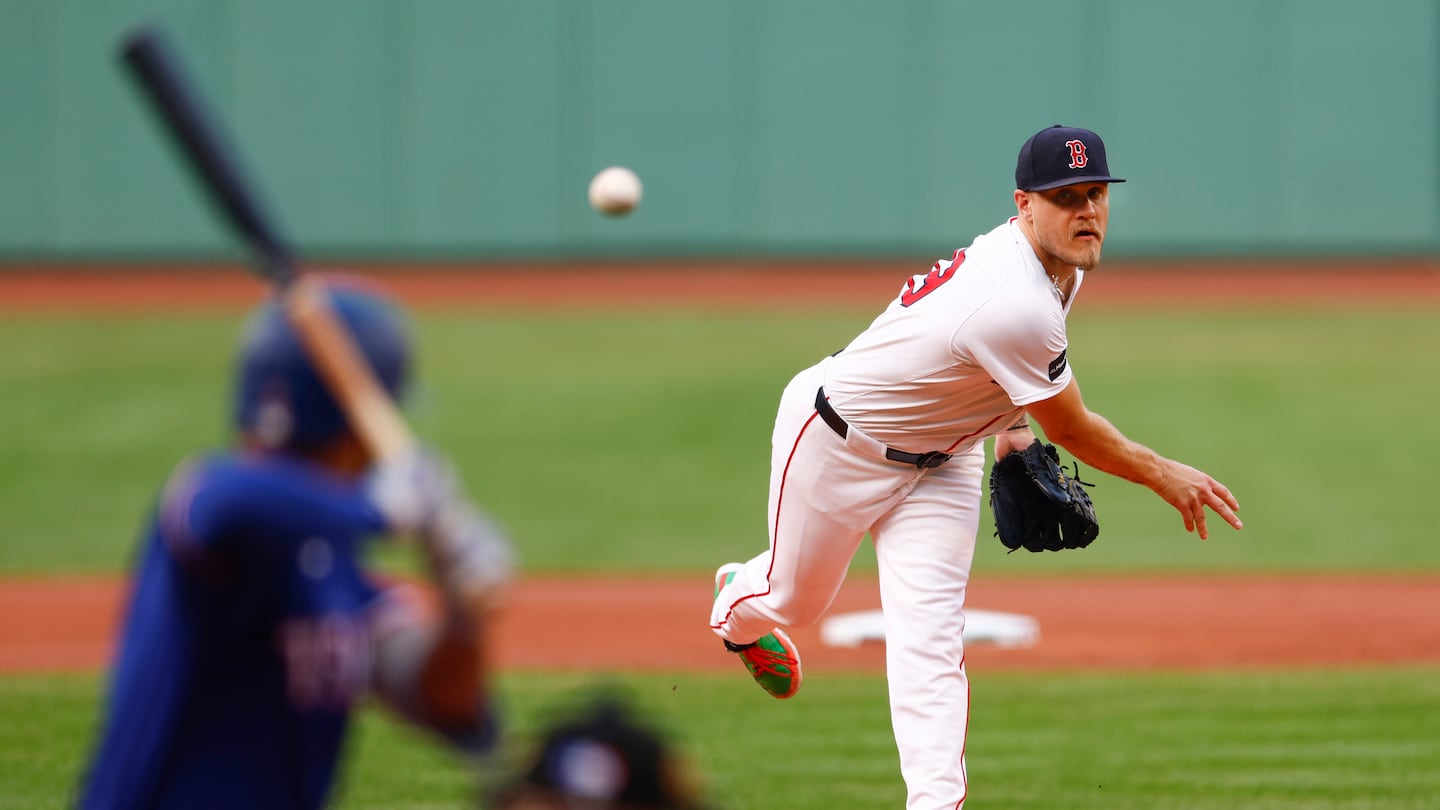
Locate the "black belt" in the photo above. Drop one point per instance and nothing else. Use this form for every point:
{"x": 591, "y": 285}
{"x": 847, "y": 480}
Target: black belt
{"x": 934, "y": 458}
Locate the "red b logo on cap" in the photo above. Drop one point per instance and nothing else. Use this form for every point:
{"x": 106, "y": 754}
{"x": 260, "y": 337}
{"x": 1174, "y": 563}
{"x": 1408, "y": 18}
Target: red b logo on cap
{"x": 1077, "y": 154}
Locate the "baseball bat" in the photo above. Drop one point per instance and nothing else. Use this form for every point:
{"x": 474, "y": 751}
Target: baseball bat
{"x": 372, "y": 413}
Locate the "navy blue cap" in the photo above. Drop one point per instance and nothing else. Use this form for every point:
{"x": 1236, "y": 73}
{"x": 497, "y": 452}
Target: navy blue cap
{"x": 1062, "y": 156}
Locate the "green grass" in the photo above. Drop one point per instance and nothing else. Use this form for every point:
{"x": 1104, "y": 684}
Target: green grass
{"x": 639, "y": 441}
{"x": 624, "y": 441}
{"x": 1332, "y": 740}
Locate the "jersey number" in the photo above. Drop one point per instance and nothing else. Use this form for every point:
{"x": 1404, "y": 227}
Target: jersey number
{"x": 938, "y": 275}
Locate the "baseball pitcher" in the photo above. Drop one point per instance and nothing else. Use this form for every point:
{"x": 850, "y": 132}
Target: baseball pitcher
{"x": 887, "y": 437}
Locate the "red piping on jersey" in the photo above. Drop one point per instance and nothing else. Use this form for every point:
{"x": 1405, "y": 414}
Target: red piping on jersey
{"x": 779, "y": 503}
{"x": 969, "y": 436}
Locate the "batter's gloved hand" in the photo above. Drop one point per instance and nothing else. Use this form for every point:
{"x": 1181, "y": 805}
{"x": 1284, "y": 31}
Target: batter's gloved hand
{"x": 412, "y": 489}
{"x": 470, "y": 555}
{"x": 419, "y": 494}
{"x": 1038, "y": 507}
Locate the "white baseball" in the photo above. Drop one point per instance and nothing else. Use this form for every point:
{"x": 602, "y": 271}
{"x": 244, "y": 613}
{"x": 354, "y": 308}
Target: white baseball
{"x": 615, "y": 191}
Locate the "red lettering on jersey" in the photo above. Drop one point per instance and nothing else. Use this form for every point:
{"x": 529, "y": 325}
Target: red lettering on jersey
{"x": 1078, "y": 158}
{"x": 327, "y": 660}
{"x": 938, "y": 275}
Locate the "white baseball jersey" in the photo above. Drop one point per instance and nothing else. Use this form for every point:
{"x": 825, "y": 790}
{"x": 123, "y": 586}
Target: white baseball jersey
{"x": 954, "y": 359}
{"x": 959, "y": 352}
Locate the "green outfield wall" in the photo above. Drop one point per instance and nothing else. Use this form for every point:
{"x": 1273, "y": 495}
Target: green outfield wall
{"x": 468, "y": 130}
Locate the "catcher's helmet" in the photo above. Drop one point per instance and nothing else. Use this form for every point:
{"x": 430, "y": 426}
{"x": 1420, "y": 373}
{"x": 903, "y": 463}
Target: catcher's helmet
{"x": 280, "y": 399}
{"x": 603, "y": 758}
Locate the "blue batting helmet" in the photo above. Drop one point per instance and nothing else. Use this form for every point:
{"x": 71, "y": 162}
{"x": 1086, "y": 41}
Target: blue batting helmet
{"x": 280, "y": 398}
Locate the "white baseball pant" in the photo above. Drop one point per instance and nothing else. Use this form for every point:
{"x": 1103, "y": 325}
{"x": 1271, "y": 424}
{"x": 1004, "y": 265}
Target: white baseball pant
{"x": 825, "y": 494}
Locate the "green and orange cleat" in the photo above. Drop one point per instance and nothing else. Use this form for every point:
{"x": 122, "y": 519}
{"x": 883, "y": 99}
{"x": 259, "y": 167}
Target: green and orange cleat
{"x": 772, "y": 659}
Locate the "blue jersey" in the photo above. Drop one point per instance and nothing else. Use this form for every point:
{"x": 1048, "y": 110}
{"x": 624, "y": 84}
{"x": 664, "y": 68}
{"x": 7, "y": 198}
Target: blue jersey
{"x": 246, "y": 644}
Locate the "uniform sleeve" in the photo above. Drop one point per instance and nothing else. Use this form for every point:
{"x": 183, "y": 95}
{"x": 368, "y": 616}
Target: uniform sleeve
{"x": 212, "y": 511}
{"x": 186, "y": 530}
{"x": 208, "y": 507}
{"x": 1023, "y": 349}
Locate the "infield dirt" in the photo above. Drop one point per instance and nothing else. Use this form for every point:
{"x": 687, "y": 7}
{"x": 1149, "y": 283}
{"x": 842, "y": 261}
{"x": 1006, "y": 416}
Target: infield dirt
{"x": 1086, "y": 622}
{"x": 1110, "y": 622}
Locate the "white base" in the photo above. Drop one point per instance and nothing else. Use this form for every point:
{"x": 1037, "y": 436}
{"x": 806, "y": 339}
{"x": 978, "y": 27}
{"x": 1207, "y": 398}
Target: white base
{"x": 981, "y": 627}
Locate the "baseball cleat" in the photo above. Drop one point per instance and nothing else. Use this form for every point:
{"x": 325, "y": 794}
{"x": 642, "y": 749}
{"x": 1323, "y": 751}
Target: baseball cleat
{"x": 772, "y": 660}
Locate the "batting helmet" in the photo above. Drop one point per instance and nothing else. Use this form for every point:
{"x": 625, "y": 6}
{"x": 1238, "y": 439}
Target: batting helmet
{"x": 280, "y": 399}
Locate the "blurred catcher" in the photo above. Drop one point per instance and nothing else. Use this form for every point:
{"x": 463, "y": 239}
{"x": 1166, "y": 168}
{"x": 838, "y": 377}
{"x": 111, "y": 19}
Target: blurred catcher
{"x": 602, "y": 758}
{"x": 253, "y": 627}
